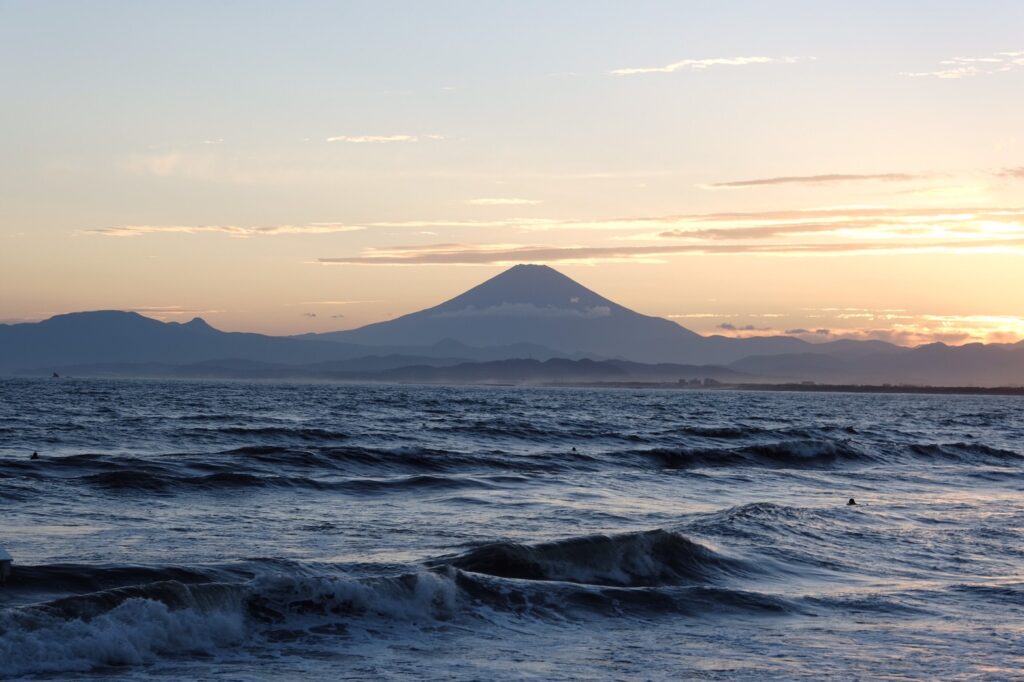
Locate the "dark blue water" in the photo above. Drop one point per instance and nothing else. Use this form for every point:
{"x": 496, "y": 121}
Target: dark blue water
{"x": 253, "y": 531}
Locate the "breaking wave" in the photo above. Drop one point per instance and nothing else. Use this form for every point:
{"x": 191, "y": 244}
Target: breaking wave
{"x": 132, "y": 615}
{"x": 645, "y": 559}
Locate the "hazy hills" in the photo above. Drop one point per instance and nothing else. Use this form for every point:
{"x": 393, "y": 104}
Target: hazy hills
{"x": 111, "y": 336}
{"x": 527, "y": 324}
{"x": 936, "y": 364}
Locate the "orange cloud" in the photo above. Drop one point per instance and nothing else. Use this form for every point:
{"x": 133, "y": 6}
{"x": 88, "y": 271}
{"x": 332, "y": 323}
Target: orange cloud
{"x": 831, "y": 178}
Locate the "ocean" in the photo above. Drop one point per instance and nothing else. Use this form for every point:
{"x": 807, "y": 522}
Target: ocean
{"x": 255, "y": 531}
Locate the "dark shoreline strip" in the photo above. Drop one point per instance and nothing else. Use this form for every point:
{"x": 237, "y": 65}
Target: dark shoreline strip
{"x": 807, "y": 388}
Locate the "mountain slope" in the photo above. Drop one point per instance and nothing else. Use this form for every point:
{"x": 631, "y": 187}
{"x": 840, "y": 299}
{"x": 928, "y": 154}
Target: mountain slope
{"x": 536, "y": 304}
{"x": 111, "y": 336}
{"x": 532, "y": 304}
{"x": 117, "y": 337}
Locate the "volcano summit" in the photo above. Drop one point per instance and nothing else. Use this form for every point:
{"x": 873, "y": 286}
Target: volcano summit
{"x": 532, "y": 304}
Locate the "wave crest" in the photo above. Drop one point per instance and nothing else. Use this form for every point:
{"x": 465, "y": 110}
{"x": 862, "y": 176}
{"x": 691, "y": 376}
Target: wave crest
{"x": 795, "y": 454}
{"x": 645, "y": 559}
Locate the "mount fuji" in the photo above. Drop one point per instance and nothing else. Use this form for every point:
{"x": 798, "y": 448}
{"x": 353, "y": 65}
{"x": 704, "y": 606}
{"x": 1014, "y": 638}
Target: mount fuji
{"x": 536, "y": 304}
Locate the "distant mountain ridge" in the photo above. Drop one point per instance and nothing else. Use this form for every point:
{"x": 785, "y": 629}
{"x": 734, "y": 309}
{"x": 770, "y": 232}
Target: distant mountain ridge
{"x": 937, "y": 364}
{"x": 529, "y": 312}
{"x": 119, "y": 337}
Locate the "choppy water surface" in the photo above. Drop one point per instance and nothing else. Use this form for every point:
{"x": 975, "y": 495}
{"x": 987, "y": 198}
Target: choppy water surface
{"x": 255, "y": 531}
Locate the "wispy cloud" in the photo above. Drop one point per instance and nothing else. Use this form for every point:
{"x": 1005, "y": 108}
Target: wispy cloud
{"x": 896, "y": 326}
{"x": 818, "y": 230}
{"x": 854, "y": 230}
{"x": 907, "y": 330}
{"x": 217, "y": 140}
{"x": 698, "y": 316}
{"x": 165, "y": 312}
{"x": 231, "y": 230}
{"x": 874, "y": 221}
{"x": 825, "y": 179}
{"x": 486, "y": 254}
{"x": 790, "y": 221}
{"x": 510, "y": 201}
{"x": 376, "y": 300}
{"x": 879, "y": 222}
{"x": 256, "y": 169}
{"x": 703, "y": 64}
{"x": 537, "y": 223}
{"x": 779, "y": 229}
{"x": 1017, "y": 172}
{"x": 842, "y": 212}
{"x": 382, "y": 139}
{"x": 968, "y": 67}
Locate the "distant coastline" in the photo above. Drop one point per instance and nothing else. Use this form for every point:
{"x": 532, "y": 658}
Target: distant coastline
{"x": 803, "y": 387}
{"x": 808, "y": 388}
{"x": 867, "y": 388}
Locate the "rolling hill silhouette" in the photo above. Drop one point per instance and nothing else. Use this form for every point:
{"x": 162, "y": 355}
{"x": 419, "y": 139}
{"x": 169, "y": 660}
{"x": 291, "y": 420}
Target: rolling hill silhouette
{"x": 114, "y": 336}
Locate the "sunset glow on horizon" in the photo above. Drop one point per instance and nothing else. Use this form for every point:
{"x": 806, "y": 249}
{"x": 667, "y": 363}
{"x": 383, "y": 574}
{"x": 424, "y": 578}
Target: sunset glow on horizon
{"x": 741, "y": 169}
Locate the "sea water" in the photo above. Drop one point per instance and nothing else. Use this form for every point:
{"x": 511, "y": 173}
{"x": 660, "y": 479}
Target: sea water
{"x": 195, "y": 530}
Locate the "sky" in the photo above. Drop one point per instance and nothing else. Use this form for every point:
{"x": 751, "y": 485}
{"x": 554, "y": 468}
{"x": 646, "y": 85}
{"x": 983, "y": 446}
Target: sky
{"x": 824, "y": 169}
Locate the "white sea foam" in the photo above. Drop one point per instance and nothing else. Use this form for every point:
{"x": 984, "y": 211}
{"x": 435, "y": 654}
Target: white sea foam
{"x": 141, "y": 630}
{"x": 136, "y": 631}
